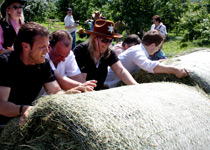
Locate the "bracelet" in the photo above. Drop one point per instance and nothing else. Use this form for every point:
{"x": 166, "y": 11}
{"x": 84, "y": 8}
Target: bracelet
{"x": 21, "y": 110}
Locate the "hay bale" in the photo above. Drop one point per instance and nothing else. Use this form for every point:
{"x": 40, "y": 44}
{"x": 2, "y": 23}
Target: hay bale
{"x": 196, "y": 62}
{"x": 145, "y": 116}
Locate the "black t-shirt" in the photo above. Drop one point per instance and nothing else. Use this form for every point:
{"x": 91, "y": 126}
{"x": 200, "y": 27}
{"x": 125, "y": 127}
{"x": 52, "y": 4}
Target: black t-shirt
{"x": 87, "y": 65}
{"x": 25, "y": 82}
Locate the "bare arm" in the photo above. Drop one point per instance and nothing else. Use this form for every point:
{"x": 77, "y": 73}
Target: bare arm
{"x": 9, "y": 109}
{"x": 53, "y": 88}
{"x": 123, "y": 74}
{"x": 179, "y": 72}
{"x": 67, "y": 83}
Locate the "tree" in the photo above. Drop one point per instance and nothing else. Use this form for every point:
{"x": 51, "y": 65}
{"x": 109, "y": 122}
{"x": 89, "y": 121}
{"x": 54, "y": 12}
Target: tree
{"x": 39, "y": 10}
{"x": 196, "y": 22}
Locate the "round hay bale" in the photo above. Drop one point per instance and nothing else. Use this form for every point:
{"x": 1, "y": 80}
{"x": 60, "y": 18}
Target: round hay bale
{"x": 145, "y": 116}
{"x": 196, "y": 62}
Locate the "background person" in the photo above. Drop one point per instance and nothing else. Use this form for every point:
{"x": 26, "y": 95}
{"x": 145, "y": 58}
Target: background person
{"x": 96, "y": 15}
{"x": 94, "y": 56}
{"x": 13, "y": 19}
{"x": 25, "y": 72}
{"x": 119, "y": 28}
{"x": 137, "y": 57}
{"x": 71, "y": 25}
{"x": 158, "y": 25}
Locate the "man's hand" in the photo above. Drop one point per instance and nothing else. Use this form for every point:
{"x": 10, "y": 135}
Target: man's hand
{"x": 80, "y": 89}
{"x": 181, "y": 73}
{"x": 24, "y": 117}
{"x": 90, "y": 83}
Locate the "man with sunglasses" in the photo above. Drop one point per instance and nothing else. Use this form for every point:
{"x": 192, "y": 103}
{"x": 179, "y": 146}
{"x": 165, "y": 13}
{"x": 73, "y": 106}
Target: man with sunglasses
{"x": 94, "y": 56}
{"x": 13, "y": 19}
{"x": 137, "y": 57}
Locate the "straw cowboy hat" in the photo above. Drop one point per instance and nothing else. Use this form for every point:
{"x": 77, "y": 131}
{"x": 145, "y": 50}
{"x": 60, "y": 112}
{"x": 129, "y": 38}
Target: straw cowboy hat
{"x": 97, "y": 14}
{"x": 7, "y": 3}
{"x": 104, "y": 28}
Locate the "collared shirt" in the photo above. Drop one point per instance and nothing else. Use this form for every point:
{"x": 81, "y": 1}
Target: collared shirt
{"x": 68, "y": 67}
{"x": 161, "y": 27}
{"x": 134, "y": 58}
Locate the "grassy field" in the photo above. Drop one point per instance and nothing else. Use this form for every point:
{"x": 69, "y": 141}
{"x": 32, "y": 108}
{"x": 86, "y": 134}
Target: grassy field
{"x": 171, "y": 48}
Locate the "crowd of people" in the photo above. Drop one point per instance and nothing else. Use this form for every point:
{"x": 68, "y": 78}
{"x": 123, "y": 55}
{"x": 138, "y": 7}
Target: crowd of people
{"x": 33, "y": 59}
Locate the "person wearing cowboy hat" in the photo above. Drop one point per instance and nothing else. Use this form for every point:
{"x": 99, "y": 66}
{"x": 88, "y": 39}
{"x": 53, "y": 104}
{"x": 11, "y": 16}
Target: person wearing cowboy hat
{"x": 96, "y": 15}
{"x": 94, "y": 56}
{"x": 13, "y": 19}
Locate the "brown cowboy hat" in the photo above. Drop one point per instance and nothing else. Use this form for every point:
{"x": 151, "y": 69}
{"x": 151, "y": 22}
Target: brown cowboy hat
{"x": 97, "y": 14}
{"x": 104, "y": 28}
{"x": 7, "y": 3}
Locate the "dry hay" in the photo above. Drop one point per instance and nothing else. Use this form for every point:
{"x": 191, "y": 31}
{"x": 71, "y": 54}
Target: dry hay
{"x": 145, "y": 116}
{"x": 196, "y": 62}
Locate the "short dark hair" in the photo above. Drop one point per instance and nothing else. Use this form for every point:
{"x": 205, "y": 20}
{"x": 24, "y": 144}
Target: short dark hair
{"x": 60, "y": 35}
{"x": 156, "y": 17}
{"x": 130, "y": 39}
{"x": 27, "y": 34}
{"x": 152, "y": 36}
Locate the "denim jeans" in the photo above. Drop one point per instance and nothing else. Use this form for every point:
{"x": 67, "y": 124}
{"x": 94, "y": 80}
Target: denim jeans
{"x": 73, "y": 34}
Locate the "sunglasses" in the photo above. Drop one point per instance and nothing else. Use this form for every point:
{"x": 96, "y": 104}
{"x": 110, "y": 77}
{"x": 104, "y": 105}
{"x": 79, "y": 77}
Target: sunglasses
{"x": 17, "y": 6}
{"x": 104, "y": 40}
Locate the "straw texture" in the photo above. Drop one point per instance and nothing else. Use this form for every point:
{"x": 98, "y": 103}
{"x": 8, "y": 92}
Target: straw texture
{"x": 146, "y": 116}
{"x": 197, "y": 63}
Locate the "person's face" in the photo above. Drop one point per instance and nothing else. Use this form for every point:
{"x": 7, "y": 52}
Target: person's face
{"x": 69, "y": 12}
{"x": 102, "y": 44}
{"x": 59, "y": 52}
{"x": 15, "y": 10}
{"x": 38, "y": 51}
{"x": 155, "y": 48}
{"x": 154, "y": 20}
{"x": 126, "y": 46}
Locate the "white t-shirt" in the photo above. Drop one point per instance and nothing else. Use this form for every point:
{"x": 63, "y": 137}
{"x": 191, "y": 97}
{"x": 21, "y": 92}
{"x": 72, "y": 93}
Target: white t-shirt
{"x": 69, "y": 21}
{"x": 161, "y": 27}
{"x": 133, "y": 58}
{"x": 68, "y": 68}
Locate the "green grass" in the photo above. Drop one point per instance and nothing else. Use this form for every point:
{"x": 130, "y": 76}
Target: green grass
{"x": 171, "y": 48}
{"x": 174, "y": 46}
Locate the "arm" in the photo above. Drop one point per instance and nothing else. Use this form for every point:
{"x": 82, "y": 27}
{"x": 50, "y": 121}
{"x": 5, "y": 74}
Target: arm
{"x": 123, "y": 74}
{"x": 179, "y": 72}
{"x": 53, "y": 88}
{"x": 67, "y": 83}
{"x": 7, "y": 108}
{"x": 70, "y": 27}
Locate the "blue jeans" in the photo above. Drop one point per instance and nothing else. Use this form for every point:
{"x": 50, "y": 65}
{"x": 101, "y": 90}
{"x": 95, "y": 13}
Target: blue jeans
{"x": 73, "y": 34}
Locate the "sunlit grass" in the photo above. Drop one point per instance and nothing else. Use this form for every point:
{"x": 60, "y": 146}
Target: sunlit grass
{"x": 174, "y": 46}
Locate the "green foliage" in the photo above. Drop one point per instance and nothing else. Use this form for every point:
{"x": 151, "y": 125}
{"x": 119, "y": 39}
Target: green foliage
{"x": 82, "y": 9}
{"x": 39, "y": 10}
{"x": 196, "y": 22}
{"x": 171, "y": 11}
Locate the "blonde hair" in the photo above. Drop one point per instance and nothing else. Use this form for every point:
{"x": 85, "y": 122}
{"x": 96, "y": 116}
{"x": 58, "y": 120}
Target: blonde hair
{"x": 7, "y": 17}
{"x": 92, "y": 47}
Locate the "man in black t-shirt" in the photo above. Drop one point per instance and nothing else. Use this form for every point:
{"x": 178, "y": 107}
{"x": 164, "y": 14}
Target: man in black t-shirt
{"x": 24, "y": 71}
